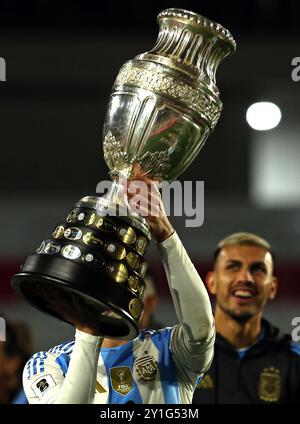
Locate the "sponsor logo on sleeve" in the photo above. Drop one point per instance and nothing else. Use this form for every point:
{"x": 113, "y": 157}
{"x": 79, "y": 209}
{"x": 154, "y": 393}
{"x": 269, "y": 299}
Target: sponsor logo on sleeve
{"x": 42, "y": 384}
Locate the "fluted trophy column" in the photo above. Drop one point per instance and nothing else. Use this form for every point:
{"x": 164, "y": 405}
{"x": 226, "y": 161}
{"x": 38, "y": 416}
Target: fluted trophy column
{"x": 163, "y": 106}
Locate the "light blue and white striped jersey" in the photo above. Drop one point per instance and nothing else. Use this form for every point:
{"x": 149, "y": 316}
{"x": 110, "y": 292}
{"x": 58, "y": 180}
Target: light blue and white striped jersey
{"x": 143, "y": 370}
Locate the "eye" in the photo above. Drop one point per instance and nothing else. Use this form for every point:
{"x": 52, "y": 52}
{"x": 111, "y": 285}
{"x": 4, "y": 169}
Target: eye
{"x": 259, "y": 268}
{"x": 233, "y": 266}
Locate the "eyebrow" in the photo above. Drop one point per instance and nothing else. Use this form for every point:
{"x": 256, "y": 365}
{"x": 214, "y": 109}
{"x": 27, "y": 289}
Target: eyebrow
{"x": 233, "y": 261}
{"x": 238, "y": 262}
{"x": 259, "y": 263}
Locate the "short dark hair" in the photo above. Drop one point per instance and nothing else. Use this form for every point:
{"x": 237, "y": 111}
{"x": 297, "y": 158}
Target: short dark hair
{"x": 242, "y": 239}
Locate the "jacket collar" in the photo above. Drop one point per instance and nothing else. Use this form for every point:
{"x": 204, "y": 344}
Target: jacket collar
{"x": 270, "y": 335}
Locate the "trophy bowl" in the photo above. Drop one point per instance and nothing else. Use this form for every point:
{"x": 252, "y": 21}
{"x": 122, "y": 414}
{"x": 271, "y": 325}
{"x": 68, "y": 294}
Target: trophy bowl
{"x": 163, "y": 106}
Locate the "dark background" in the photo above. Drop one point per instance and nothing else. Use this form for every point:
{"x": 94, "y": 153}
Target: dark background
{"x": 61, "y": 61}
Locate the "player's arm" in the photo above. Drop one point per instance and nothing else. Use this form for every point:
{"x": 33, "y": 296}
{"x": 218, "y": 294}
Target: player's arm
{"x": 45, "y": 381}
{"x": 76, "y": 383}
{"x": 192, "y": 340}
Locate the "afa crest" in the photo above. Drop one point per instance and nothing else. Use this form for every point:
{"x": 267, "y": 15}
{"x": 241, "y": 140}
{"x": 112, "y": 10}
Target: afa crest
{"x": 146, "y": 367}
{"x": 269, "y": 387}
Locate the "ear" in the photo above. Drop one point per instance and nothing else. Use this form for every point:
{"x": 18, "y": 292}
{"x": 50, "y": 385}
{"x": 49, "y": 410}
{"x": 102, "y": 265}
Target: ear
{"x": 274, "y": 288}
{"x": 211, "y": 283}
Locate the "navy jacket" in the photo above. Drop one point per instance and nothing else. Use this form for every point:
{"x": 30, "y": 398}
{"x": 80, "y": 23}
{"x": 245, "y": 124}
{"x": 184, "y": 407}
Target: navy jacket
{"x": 266, "y": 373}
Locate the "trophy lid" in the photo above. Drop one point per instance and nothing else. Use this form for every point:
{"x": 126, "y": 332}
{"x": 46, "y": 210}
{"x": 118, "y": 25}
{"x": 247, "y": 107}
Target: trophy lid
{"x": 195, "y": 20}
{"x": 192, "y": 40}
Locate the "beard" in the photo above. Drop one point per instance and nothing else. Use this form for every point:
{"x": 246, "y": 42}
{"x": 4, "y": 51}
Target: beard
{"x": 239, "y": 317}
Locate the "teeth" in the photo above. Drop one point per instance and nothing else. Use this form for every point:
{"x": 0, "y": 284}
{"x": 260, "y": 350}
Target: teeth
{"x": 243, "y": 293}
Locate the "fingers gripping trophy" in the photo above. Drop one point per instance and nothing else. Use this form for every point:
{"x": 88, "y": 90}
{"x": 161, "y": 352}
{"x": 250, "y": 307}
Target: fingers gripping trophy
{"x": 163, "y": 106}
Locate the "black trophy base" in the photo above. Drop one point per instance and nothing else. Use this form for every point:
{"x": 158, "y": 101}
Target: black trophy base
{"x": 70, "y": 292}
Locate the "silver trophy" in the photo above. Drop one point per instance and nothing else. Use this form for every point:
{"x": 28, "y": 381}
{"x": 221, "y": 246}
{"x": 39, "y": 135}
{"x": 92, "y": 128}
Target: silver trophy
{"x": 163, "y": 106}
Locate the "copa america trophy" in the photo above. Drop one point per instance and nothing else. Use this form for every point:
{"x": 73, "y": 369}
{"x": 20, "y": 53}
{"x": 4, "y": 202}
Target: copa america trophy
{"x": 163, "y": 106}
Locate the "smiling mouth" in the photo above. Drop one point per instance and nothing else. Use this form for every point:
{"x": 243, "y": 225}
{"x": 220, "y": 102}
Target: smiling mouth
{"x": 243, "y": 293}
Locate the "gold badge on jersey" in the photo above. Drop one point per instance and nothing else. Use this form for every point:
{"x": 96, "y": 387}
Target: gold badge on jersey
{"x": 121, "y": 380}
{"x": 146, "y": 367}
{"x": 269, "y": 387}
{"x": 206, "y": 382}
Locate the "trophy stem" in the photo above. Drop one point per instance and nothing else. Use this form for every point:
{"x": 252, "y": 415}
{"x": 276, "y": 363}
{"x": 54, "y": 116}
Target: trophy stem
{"x": 117, "y": 194}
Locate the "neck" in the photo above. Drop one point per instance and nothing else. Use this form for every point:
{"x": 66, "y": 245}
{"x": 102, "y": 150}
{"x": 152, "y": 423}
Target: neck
{"x": 108, "y": 343}
{"x": 237, "y": 334}
{"x": 144, "y": 320}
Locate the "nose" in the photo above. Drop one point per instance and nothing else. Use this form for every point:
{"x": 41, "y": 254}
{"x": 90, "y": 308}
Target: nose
{"x": 244, "y": 275}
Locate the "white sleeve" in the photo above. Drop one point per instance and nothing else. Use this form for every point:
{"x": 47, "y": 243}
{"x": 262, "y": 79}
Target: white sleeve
{"x": 192, "y": 341}
{"x": 78, "y": 386}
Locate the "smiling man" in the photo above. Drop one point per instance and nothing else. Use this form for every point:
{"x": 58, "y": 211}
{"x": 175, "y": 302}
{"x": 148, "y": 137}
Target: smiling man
{"x": 254, "y": 362}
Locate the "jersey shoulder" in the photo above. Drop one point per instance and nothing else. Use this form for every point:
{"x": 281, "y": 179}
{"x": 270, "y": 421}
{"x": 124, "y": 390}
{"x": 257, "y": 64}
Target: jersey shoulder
{"x": 59, "y": 354}
{"x": 156, "y": 336}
